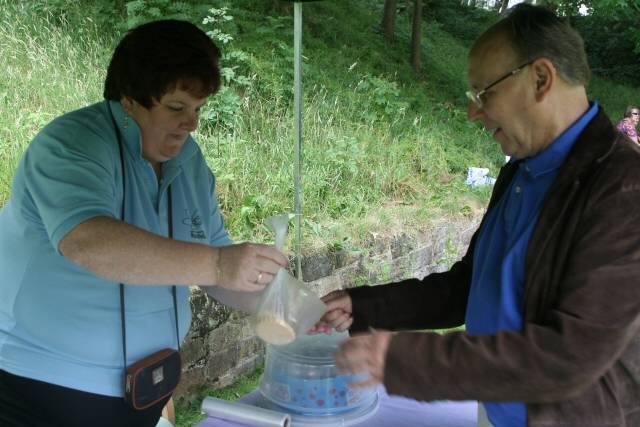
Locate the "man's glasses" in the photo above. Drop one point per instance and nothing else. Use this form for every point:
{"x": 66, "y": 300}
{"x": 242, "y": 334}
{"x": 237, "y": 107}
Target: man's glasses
{"x": 478, "y": 98}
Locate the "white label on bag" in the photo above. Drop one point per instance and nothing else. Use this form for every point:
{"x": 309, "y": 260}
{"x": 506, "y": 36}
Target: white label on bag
{"x": 157, "y": 375}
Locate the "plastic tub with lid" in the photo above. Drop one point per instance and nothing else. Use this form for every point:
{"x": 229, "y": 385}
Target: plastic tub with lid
{"x": 302, "y": 378}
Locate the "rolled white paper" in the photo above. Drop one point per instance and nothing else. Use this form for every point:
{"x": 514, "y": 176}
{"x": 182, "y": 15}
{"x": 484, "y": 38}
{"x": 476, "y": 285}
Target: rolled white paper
{"x": 243, "y": 413}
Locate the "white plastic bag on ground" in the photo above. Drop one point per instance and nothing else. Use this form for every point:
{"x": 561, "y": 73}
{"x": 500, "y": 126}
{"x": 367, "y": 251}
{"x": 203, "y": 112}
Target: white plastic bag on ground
{"x": 477, "y": 177}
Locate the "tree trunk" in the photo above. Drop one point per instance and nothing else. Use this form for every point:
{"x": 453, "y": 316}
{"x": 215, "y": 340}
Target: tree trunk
{"x": 416, "y": 36}
{"x": 504, "y": 5}
{"x": 389, "y": 19}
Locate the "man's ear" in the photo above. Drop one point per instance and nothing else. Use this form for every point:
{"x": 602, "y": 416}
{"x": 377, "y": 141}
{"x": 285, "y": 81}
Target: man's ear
{"x": 544, "y": 76}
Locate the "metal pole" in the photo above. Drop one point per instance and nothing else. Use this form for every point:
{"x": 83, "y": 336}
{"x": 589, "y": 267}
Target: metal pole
{"x": 297, "y": 112}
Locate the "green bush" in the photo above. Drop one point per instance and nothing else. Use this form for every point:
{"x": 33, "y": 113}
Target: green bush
{"x": 612, "y": 42}
{"x": 464, "y": 22}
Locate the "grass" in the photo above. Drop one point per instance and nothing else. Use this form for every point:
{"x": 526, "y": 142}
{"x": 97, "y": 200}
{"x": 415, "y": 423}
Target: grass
{"x": 364, "y": 108}
{"x": 356, "y": 117}
{"x": 48, "y": 68}
{"x": 188, "y": 412}
{"x": 613, "y": 97}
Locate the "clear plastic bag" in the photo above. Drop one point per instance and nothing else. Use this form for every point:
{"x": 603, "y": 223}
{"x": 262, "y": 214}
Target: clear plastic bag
{"x": 248, "y": 301}
{"x": 286, "y": 308}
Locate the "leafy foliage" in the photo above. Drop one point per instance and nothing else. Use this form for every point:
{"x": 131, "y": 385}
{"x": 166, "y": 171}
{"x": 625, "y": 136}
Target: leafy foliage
{"x": 222, "y": 108}
{"x": 610, "y": 30}
{"x": 464, "y": 22}
{"x": 141, "y": 11}
{"x": 612, "y": 41}
{"x": 384, "y": 95}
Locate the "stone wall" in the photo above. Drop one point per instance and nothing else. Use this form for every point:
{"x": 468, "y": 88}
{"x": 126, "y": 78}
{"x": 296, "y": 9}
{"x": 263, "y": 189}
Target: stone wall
{"x": 221, "y": 345}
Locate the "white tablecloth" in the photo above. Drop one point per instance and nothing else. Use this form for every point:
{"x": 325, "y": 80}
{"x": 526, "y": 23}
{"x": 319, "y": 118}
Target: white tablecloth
{"x": 395, "y": 411}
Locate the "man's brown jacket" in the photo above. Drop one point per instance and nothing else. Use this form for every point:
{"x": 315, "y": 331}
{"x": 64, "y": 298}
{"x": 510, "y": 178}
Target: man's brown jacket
{"x": 577, "y": 361}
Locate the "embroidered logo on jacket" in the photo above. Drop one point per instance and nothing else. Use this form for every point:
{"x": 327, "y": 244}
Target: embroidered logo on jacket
{"x": 195, "y": 222}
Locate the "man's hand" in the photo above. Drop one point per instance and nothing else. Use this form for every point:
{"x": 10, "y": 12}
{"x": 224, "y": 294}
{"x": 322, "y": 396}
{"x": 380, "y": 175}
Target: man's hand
{"x": 365, "y": 355}
{"x": 339, "y": 314}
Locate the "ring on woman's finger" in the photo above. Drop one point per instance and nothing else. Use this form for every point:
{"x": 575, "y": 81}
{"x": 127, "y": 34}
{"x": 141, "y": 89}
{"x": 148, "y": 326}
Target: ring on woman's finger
{"x": 259, "y": 277}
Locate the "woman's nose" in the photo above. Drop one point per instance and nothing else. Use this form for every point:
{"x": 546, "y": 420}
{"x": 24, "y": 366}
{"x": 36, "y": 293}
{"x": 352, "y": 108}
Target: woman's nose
{"x": 191, "y": 121}
{"x": 474, "y": 112}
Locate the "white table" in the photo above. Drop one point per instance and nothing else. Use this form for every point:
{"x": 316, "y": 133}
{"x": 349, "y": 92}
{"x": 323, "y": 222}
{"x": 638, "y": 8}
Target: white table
{"x": 394, "y": 411}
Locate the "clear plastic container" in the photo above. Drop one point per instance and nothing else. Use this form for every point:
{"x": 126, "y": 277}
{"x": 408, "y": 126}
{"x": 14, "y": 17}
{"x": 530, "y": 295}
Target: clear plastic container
{"x": 302, "y": 378}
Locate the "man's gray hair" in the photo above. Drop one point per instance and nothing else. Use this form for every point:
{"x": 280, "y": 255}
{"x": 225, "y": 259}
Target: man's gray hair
{"x": 536, "y": 32}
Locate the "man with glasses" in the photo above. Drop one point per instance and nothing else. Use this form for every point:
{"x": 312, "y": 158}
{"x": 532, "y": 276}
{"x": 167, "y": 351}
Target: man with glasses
{"x": 549, "y": 289}
{"x": 629, "y": 124}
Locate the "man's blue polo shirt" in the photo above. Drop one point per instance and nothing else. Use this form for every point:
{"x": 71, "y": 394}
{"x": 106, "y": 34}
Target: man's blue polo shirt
{"x": 58, "y": 322}
{"x": 496, "y": 300}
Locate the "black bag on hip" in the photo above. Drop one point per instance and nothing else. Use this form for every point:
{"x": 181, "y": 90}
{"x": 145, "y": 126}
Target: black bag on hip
{"x": 152, "y": 379}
